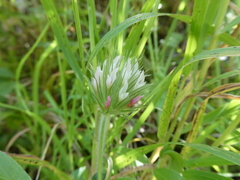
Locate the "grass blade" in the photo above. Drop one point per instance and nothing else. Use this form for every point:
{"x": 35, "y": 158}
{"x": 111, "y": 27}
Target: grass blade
{"x": 61, "y": 37}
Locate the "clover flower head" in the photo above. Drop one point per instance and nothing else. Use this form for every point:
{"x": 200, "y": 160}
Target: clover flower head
{"x": 118, "y": 85}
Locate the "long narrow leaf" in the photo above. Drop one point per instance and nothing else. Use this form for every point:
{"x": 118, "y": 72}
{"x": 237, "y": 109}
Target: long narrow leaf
{"x": 128, "y": 22}
{"x": 61, "y": 37}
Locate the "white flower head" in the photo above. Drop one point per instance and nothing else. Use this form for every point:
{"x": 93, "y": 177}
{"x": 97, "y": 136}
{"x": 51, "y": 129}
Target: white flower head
{"x": 119, "y": 84}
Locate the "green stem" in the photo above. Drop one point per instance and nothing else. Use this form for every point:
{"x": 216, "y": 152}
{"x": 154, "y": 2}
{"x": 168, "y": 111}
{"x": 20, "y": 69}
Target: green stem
{"x": 182, "y": 122}
{"x": 227, "y": 132}
{"x": 99, "y": 141}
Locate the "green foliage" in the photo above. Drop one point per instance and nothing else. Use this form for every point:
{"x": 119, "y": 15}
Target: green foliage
{"x": 188, "y": 127}
{"x": 165, "y": 174}
{"x": 198, "y": 175}
{"x": 176, "y": 163}
{"x": 9, "y": 169}
{"x": 7, "y": 83}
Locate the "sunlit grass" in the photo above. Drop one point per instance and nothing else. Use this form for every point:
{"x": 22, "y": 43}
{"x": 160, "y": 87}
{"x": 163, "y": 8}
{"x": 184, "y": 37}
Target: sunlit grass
{"x": 47, "y": 49}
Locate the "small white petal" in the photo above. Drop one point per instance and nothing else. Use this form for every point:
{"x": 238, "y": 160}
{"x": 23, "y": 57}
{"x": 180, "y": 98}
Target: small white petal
{"x": 111, "y": 77}
{"x": 139, "y": 85}
{"x": 123, "y": 96}
{"x": 135, "y": 67}
{"x": 109, "y": 81}
{"x": 104, "y": 64}
{"x": 142, "y": 77}
{"x": 116, "y": 60}
{"x": 140, "y": 81}
{"x": 113, "y": 74}
{"x": 127, "y": 72}
{"x": 122, "y": 93}
{"x": 116, "y": 63}
{"x": 94, "y": 84}
{"x": 136, "y": 74}
{"x": 98, "y": 74}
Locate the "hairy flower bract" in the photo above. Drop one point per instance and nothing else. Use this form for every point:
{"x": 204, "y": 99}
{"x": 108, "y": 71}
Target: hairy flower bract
{"x": 118, "y": 85}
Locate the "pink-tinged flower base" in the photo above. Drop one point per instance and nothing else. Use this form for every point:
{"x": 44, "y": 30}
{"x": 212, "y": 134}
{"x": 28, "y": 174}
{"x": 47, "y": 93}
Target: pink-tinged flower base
{"x": 107, "y": 104}
{"x": 134, "y": 101}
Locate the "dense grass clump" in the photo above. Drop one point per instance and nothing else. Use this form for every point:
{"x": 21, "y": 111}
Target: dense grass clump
{"x": 178, "y": 118}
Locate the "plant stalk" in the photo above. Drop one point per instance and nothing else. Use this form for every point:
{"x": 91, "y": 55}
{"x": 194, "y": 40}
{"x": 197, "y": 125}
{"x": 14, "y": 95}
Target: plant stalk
{"x": 227, "y": 132}
{"x": 99, "y": 141}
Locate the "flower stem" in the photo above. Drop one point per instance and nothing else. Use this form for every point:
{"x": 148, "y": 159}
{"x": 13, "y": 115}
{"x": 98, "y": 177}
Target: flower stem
{"x": 99, "y": 141}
